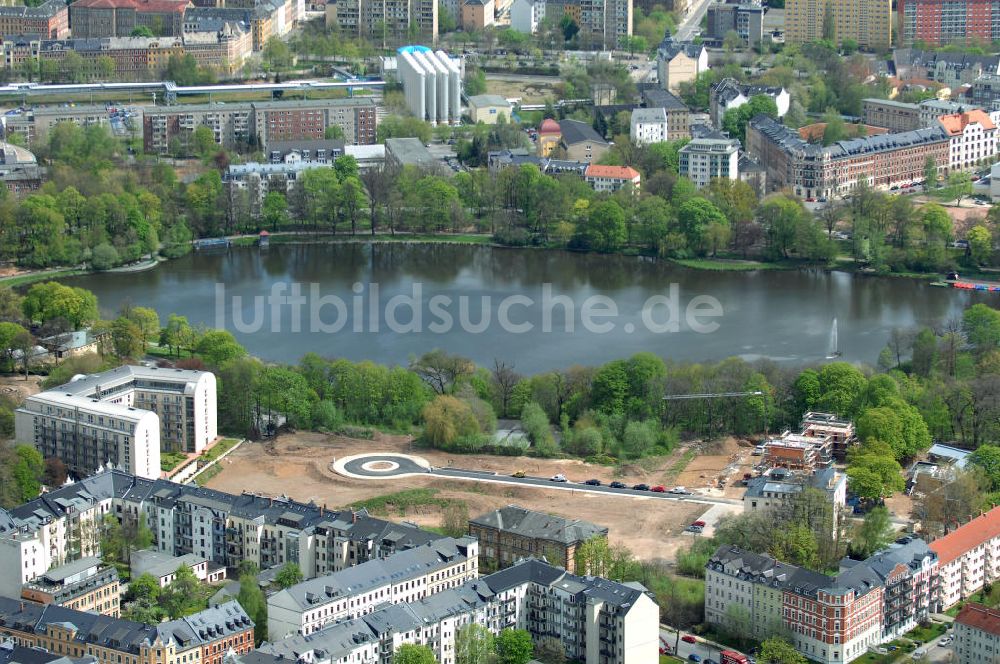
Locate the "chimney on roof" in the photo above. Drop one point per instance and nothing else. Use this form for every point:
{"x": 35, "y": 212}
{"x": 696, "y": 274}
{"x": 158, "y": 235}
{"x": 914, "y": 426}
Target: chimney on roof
{"x": 354, "y": 516}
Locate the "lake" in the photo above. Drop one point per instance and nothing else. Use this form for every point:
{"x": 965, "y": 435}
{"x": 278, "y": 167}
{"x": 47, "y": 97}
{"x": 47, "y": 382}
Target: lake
{"x": 538, "y": 309}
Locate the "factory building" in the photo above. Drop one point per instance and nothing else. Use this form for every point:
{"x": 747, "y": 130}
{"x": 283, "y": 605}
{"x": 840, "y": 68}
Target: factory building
{"x": 432, "y": 84}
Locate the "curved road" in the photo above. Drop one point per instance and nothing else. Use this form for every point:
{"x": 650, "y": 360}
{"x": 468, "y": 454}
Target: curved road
{"x": 384, "y": 465}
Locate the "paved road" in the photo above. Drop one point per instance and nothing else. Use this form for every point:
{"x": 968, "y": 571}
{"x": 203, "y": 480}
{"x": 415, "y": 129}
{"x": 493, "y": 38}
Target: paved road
{"x": 691, "y": 22}
{"x": 703, "y": 649}
{"x": 368, "y": 465}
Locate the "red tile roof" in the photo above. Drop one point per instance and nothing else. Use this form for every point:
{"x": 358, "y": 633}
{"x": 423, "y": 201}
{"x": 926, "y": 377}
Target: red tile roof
{"x": 956, "y": 123}
{"x": 979, "y": 617}
{"x": 976, "y": 532}
{"x": 156, "y": 6}
{"x": 615, "y": 172}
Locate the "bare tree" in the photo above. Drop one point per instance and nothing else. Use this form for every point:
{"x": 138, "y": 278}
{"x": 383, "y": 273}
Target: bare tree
{"x": 505, "y": 379}
{"x": 377, "y": 183}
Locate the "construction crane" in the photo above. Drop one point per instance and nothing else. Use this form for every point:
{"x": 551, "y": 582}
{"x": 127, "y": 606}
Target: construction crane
{"x": 719, "y": 395}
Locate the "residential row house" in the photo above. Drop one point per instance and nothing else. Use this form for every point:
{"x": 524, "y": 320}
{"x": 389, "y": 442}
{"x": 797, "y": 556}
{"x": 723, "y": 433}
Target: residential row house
{"x": 202, "y": 638}
{"x": 405, "y": 576}
{"x": 969, "y": 557}
{"x": 225, "y": 529}
{"x": 834, "y": 171}
{"x": 594, "y": 620}
{"x": 829, "y": 619}
{"x": 49, "y": 20}
{"x": 258, "y": 124}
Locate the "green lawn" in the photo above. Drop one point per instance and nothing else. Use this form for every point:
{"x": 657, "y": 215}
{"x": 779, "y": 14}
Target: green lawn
{"x": 220, "y": 448}
{"x": 401, "y": 501}
{"x": 203, "y": 478}
{"x": 170, "y": 460}
{"x": 924, "y": 634}
{"x": 726, "y": 265}
{"x": 156, "y": 350}
{"x": 682, "y": 463}
{"x": 25, "y": 279}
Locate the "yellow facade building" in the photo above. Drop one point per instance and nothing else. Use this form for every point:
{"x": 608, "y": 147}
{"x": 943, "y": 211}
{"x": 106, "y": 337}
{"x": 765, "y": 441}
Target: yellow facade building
{"x": 867, "y": 22}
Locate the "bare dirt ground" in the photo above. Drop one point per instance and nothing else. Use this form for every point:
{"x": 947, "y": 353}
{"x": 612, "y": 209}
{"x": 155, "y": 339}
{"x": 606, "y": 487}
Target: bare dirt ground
{"x": 530, "y": 93}
{"x": 298, "y": 465}
{"x": 16, "y": 389}
{"x": 722, "y": 462}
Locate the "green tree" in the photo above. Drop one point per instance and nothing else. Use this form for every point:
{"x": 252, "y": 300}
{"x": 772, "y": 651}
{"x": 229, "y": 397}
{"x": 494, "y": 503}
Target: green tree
{"x": 126, "y": 339}
{"x": 288, "y": 576}
{"x": 333, "y": 132}
{"x": 535, "y": 423}
{"x": 446, "y": 419}
{"x": 180, "y": 597}
{"x": 930, "y": 172}
{"x": 142, "y": 31}
{"x": 514, "y": 646}
{"x": 251, "y": 598}
{"x": 474, "y": 644}
{"x": 203, "y": 141}
{"x": 104, "y": 257}
{"x": 274, "y": 210}
{"x": 835, "y": 129}
{"x": 874, "y": 534}
{"x": 177, "y": 334}
{"x": 8, "y": 333}
{"x": 27, "y": 473}
{"x": 776, "y": 650}
{"x": 735, "y": 120}
{"x": 49, "y": 300}
{"x": 410, "y": 653}
{"x": 981, "y": 326}
{"x": 696, "y": 218}
{"x": 217, "y": 347}
{"x": 873, "y": 472}
{"x": 987, "y": 457}
{"x": 980, "y": 244}
{"x": 959, "y": 186}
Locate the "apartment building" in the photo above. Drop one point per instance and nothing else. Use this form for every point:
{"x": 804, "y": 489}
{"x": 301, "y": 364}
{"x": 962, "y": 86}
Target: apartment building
{"x": 950, "y": 69}
{"x": 165, "y": 127}
{"x": 896, "y": 116}
{"x": 122, "y": 416}
{"x": 610, "y": 179}
{"x": 705, "y": 159}
{"x": 225, "y": 529}
{"x": 402, "y": 577}
{"x": 833, "y": 171}
{"x": 838, "y": 431}
{"x": 384, "y": 21}
{"x": 19, "y": 170}
{"x": 941, "y": 22}
{"x": 972, "y": 139}
{"x": 977, "y": 634}
{"x": 829, "y": 619}
{"x": 777, "y": 486}
{"x": 83, "y": 585}
{"x": 729, "y": 93}
{"x": 202, "y": 638}
{"x": 13, "y": 654}
{"x": 257, "y": 180}
{"x": 868, "y": 22}
{"x": 931, "y": 109}
{"x": 969, "y": 557}
{"x": 49, "y": 20}
{"x": 678, "y": 114}
{"x": 798, "y": 452}
{"x": 744, "y": 17}
{"x": 596, "y": 621}
{"x": 525, "y": 15}
{"x": 512, "y": 533}
{"x": 679, "y": 62}
{"x": 118, "y": 18}
{"x": 308, "y": 120}
{"x": 985, "y": 92}
{"x": 648, "y": 125}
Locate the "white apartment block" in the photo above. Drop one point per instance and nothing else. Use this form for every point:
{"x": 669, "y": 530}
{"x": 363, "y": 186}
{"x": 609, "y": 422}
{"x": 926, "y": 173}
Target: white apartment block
{"x": 977, "y": 635}
{"x": 972, "y": 139}
{"x": 969, "y": 557}
{"x": 123, "y": 417}
{"x": 597, "y": 621}
{"x": 404, "y": 577}
{"x": 649, "y": 125}
{"x": 610, "y": 179}
{"x": 704, "y": 159}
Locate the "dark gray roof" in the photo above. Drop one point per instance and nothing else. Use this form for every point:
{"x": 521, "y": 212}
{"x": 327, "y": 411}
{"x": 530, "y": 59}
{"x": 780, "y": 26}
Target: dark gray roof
{"x": 284, "y": 147}
{"x": 790, "y": 140}
{"x": 668, "y": 48}
{"x": 11, "y": 654}
{"x": 918, "y": 58}
{"x": 538, "y": 525}
{"x": 656, "y": 97}
{"x": 47, "y": 9}
{"x": 575, "y": 131}
{"x": 409, "y": 151}
{"x": 71, "y": 568}
{"x": 728, "y": 89}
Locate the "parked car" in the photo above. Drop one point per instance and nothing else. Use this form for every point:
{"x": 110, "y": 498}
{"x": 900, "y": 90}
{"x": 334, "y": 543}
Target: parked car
{"x": 640, "y": 487}
{"x": 558, "y": 478}
{"x": 694, "y": 657}
{"x": 518, "y": 474}
{"x": 680, "y": 491}
{"x": 699, "y": 522}
{"x": 688, "y": 638}
{"x": 617, "y": 485}
{"x": 659, "y": 489}
{"x": 695, "y": 529}
{"x": 593, "y": 482}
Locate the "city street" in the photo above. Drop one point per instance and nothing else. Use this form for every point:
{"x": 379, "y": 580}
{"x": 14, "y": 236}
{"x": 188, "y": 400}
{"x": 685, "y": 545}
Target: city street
{"x": 685, "y": 31}
{"x": 702, "y": 648}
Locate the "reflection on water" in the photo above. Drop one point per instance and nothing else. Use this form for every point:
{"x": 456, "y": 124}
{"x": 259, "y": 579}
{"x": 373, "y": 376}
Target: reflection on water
{"x": 780, "y": 315}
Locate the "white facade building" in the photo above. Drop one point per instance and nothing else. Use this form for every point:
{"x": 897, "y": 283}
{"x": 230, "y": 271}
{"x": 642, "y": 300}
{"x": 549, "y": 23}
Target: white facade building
{"x": 123, "y": 417}
{"x": 595, "y": 620}
{"x": 403, "y": 577}
{"x": 977, "y": 635}
{"x": 649, "y": 125}
{"x": 609, "y": 179}
{"x": 704, "y": 159}
{"x": 432, "y": 84}
{"x": 969, "y": 557}
{"x": 525, "y": 15}
{"x": 972, "y": 139}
